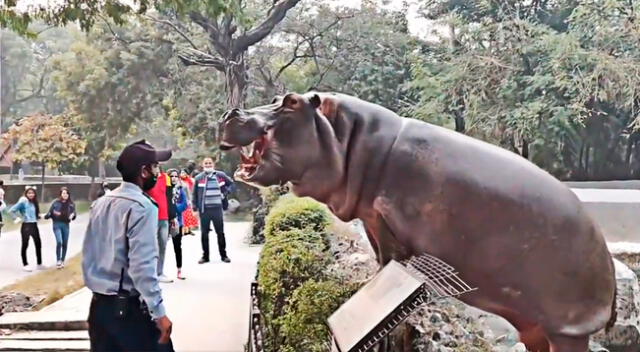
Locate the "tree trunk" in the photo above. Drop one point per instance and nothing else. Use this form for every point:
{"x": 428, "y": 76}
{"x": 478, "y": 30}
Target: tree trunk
{"x": 627, "y": 156}
{"x": 101, "y": 171}
{"x": 42, "y": 195}
{"x": 453, "y": 40}
{"x": 459, "y": 120}
{"x": 236, "y": 77}
{"x": 525, "y": 148}
{"x": 586, "y": 163}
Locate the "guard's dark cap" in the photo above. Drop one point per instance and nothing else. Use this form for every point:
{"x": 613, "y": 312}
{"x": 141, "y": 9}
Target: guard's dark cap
{"x": 138, "y": 154}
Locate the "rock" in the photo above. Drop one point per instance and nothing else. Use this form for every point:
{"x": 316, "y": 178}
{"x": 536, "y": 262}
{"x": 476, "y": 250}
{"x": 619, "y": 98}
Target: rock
{"x": 435, "y": 318}
{"x": 624, "y": 336}
{"x": 518, "y": 347}
{"x": 628, "y": 253}
{"x": 12, "y": 302}
{"x": 359, "y": 258}
{"x": 234, "y": 205}
{"x": 596, "y": 347}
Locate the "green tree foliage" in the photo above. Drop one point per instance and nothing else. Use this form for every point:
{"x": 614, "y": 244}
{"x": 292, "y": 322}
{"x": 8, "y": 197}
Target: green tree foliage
{"x": 26, "y": 72}
{"x": 364, "y": 52}
{"x": 560, "y": 93}
{"x": 112, "y": 81}
{"x": 45, "y": 139}
{"x": 87, "y": 12}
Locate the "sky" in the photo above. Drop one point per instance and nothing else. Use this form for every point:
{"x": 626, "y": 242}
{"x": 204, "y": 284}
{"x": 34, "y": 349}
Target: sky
{"x": 417, "y": 25}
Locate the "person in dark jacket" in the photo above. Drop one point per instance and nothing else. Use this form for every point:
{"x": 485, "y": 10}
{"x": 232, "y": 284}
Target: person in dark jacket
{"x": 209, "y": 191}
{"x": 178, "y": 203}
{"x": 62, "y": 212}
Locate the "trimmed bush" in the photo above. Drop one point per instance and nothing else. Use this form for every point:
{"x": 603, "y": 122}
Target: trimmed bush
{"x": 268, "y": 197}
{"x": 297, "y": 292}
{"x": 304, "y": 325}
{"x": 286, "y": 262}
{"x": 291, "y": 212}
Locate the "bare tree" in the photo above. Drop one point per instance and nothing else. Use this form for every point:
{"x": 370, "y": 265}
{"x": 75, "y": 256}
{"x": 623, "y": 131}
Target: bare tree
{"x": 227, "y": 47}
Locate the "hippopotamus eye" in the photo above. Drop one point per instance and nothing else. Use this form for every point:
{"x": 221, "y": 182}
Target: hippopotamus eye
{"x": 276, "y": 99}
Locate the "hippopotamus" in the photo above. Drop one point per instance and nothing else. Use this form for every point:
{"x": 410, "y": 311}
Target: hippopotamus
{"x": 512, "y": 230}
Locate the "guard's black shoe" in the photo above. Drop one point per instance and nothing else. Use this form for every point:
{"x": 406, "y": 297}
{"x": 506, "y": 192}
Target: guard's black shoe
{"x": 203, "y": 260}
{"x": 226, "y": 260}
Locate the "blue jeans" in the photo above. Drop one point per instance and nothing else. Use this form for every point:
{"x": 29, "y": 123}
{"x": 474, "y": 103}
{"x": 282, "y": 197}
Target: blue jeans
{"x": 61, "y": 230}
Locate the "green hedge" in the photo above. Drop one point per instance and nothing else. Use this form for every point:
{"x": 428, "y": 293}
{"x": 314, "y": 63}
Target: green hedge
{"x": 269, "y": 197}
{"x": 291, "y": 212}
{"x": 304, "y": 323}
{"x": 296, "y": 251}
{"x": 287, "y": 262}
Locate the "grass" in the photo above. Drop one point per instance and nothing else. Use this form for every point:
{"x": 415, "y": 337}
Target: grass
{"x": 82, "y": 206}
{"x": 52, "y": 283}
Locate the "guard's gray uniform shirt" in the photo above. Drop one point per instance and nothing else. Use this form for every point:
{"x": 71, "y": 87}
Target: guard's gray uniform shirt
{"x": 126, "y": 208}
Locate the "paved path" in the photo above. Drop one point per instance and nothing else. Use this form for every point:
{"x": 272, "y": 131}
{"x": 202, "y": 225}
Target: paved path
{"x": 10, "y": 243}
{"x": 209, "y": 310}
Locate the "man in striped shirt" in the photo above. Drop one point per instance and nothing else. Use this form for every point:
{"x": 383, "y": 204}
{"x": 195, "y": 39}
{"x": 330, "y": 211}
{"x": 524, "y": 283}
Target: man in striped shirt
{"x": 207, "y": 200}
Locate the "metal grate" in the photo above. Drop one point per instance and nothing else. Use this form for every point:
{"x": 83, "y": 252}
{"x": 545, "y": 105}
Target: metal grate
{"x": 398, "y": 316}
{"x": 441, "y": 279}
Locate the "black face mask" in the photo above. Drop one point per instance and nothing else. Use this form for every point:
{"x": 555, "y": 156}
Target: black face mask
{"x": 149, "y": 183}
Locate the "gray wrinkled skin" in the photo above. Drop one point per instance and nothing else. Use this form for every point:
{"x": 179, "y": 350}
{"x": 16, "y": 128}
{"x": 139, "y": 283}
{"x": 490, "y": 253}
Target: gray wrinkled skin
{"x": 512, "y": 230}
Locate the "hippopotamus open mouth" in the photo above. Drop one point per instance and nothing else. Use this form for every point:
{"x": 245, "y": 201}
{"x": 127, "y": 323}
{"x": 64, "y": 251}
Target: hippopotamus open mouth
{"x": 250, "y": 132}
{"x": 268, "y": 138}
{"x": 251, "y": 156}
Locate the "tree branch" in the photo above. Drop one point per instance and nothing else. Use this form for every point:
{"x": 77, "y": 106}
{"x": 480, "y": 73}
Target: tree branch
{"x": 309, "y": 40}
{"x": 258, "y": 33}
{"x": 115, "y": 35}
{"x": 36, "y": 94}
{"x": 175, "y": 28}
{"x": 210, "y": 61}
{"x": 212, "y": 30}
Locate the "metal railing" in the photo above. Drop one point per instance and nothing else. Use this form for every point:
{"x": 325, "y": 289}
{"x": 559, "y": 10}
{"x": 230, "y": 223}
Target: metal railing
{"x": 256, "y": 337}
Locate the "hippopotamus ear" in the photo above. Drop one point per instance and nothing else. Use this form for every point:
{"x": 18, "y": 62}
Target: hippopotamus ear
{"x": 315, "y": 101}
{"x": 327, "y": 106}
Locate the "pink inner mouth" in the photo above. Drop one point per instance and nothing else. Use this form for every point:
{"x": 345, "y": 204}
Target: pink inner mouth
{"x": 251, "y": 156}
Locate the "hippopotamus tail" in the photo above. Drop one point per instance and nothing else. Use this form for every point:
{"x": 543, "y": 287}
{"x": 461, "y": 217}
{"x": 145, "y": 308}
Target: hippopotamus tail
{"x": 614, "y": 313}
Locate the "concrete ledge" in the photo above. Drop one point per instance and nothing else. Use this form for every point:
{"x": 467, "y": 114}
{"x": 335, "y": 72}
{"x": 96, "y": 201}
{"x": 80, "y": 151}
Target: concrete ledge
{"x": 45, "y": 346}
{"x": 51, "y": 335}
{"x": 43, "y": 321}
{"x": 629, "y": 184}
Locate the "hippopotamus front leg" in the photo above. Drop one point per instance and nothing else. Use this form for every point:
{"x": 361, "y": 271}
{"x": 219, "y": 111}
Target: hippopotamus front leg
{"x": 384, "y": 242}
